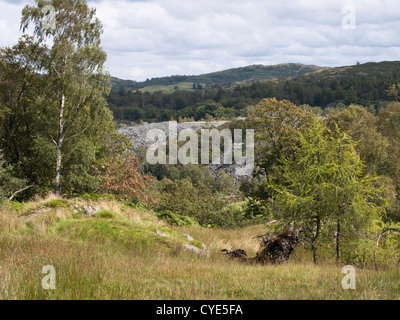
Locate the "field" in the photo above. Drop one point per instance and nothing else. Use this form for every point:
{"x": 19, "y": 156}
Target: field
{"x": 117, "y": 254}
{"x": 185, "y": 86}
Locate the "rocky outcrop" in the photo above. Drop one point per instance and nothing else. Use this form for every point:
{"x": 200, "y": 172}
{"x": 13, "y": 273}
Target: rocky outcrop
{"x": 201, "y": 252}
{"x": 139, "y": 135}
{"x": 90, "y": 210}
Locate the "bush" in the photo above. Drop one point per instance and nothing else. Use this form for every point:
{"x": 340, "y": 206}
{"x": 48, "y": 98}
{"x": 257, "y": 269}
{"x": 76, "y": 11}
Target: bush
{"x": 196, "y": 201}
{"x": 177, "y": 220}
{"x": 57, "y": 203}
{"x": 8, "y": 182}
{"x": 97, "y": 196}
{"x": 234, "y": 215}
{"x": 120, "y": 177}
{"x": 14, "y": 206}
{"x": 106, "y": 214}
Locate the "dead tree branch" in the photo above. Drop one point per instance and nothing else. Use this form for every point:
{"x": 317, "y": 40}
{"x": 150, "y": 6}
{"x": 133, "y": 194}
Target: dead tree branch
{"x": 19, "y": 191}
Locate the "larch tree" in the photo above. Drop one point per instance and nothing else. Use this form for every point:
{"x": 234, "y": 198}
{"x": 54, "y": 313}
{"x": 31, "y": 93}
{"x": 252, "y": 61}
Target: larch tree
{"x": 324, "y": 188}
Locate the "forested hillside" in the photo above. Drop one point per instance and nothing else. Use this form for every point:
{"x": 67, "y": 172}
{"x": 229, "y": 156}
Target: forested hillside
{"x": 364, "y": 84}
{"x": 226, "y": 77}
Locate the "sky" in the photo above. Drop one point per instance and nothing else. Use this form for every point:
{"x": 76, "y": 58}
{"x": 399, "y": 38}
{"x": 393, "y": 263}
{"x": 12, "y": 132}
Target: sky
{"x": 155, "y": 38}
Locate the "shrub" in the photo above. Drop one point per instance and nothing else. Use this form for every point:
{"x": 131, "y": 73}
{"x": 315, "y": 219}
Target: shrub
{"x": 57, "y": 203}
{"x": 106, "y": 214}
{"x": 196, "y": 201}
{"x": 97, "y": 196}
{"x": 121, "y": 178}
{"x": 177, "y": 220}
{"x": 8, "y": 182}
{"x": 14, "y": 206}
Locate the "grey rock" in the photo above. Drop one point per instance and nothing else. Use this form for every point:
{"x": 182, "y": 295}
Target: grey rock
{"x": 139, "y": 136}
{"x": 30, "y": 217}
{"x": 201, "y": 252}
{"x": 188, "y": 237}
{"x": 162, "y": 234}
{"x": 91, "y": 210}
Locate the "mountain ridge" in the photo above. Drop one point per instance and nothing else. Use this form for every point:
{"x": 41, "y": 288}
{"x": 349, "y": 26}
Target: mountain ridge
{"x": 251, "y": 73}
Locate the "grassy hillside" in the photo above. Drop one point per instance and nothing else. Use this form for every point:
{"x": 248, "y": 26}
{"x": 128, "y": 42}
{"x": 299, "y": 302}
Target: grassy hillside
{"x": 256, "y": 73}
{"x": 225, "y": 77}
{"x": 117, "y": 254}
{"x": 376, "y": 69}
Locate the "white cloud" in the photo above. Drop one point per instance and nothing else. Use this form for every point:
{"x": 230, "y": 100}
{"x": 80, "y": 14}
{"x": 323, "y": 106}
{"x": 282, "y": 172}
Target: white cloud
{"x": 156, "y": 38}
{"x": 10, "y": 17}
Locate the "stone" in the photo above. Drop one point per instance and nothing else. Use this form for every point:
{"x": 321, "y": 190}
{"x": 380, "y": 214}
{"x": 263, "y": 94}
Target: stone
{"x": 193, "y": 249}
{"x": 30, "y": 217}
{"x": 138, "y": 135}
{"x": 91, "y": 210}
{"x": 188, "y": 237}
{"x": 162, "y": 234}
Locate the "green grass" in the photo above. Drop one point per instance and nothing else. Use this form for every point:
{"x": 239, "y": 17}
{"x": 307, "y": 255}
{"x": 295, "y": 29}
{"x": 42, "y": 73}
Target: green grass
{"x": 117, "y": 254}
{"x": 177, "y": 220}
{"x": 184, "y": 86}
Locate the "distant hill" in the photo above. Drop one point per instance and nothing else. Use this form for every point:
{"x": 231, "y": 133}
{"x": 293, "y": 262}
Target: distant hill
{"x": 370, "y": 69}
{"x": 224, "y": 78}
{"x": 363, "y": 84}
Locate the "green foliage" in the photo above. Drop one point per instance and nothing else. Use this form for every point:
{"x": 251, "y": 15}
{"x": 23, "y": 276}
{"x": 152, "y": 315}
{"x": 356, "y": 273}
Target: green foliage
{"x": 389, "y": 125}
{"x": 97, "y": 197}
{"x": 394, "y": 91}
{"x": 9, "y": 184}
{"x": 106, "y": 214}
{"x": 79, "y": 176}
{"x": 57, "y": 203}
{"x": 362, "y": 127}
{"x": 237, "y": 215}
{"x": 186, "y": 199}
{"x": 61, "y": 114}
{"x": 314, "y": 176}
{"x": 278, "y": 125}
{"x": 364, "y": 84}
{"x": 14, "y": 206}
{"x": 326, "y": 187}
{"x": 73, "y": 86}
{"x": 377, "y": 143}
{"x": 389, "y": 243}
{"x": 177, "y": 220}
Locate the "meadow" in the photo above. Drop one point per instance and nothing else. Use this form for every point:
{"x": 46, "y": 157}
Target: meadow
{"x": 117, "y": 254}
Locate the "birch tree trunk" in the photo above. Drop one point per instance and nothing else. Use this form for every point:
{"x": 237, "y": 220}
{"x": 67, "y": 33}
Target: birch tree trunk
{"x": 57, "y": 184}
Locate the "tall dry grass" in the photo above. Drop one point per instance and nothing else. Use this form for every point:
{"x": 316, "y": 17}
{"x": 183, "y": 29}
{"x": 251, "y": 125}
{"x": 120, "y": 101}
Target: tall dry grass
{"x": 88, "y": 268}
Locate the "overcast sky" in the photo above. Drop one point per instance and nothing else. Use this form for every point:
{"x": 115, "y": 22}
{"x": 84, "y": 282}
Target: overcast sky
{"x": 145, "y": 39}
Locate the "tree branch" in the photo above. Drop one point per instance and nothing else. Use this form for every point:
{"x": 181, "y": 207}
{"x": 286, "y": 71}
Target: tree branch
{"x": 19, "y": 191}
{"x": 379, "y": 238}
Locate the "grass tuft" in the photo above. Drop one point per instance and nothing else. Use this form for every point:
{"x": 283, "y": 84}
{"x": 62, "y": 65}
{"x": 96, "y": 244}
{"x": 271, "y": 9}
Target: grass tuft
{"x": 118, "y": 254}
